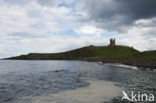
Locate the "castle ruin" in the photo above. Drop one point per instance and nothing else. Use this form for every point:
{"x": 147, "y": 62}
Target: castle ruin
{"x": 112, "y": 42}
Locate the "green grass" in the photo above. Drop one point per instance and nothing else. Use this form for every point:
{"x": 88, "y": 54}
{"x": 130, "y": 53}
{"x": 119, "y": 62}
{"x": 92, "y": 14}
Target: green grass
{"x": 85, "y": 52}
{"x": 117, "y": 52}
{"x": 145, "y": 55}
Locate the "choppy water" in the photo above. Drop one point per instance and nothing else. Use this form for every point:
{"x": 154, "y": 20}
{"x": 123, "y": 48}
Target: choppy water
{"x": 70, "y": 82}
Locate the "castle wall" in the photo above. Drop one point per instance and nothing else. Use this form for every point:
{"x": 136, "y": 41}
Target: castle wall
{"x": 112, "y": 42}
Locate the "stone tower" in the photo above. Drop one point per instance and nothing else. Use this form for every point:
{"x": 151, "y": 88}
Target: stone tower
{"x": 112, "y": 42}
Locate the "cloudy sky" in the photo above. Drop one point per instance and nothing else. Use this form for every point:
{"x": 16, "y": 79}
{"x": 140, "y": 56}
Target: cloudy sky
{"x": 60, "y": 25}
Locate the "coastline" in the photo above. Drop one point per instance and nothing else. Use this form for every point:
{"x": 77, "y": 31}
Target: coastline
{"x": 140, "y": 63}
{"x": 105, "y": 54}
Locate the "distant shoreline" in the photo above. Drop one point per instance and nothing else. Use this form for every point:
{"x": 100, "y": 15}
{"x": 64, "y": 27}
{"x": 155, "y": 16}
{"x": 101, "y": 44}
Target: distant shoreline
{"x": 140, "y": 63}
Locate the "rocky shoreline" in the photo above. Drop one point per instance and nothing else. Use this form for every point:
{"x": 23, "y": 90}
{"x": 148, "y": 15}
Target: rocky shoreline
{"x": 140, "y": 63}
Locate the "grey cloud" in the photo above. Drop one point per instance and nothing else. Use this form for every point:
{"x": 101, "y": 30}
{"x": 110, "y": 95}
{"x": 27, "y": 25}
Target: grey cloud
{"x": 17, "y": 2}
{"x": 139, "y": 8}
{"x": 114, "y": 14}
{"x": 49, "y": 2}
{"x": 41, "y": 2}
{"x": 20, "y": 35}
{"x": 147, "y": 23}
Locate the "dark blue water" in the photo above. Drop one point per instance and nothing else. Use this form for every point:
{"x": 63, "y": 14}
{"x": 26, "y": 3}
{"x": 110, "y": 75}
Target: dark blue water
{"x": 20, "y": 79}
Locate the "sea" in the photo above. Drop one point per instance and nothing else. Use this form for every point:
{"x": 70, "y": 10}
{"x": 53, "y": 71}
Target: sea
{"x": 71, "y": 81}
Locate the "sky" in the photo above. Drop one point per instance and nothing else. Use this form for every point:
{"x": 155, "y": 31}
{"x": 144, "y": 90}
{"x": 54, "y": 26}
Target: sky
{"x": 50, "y": 26}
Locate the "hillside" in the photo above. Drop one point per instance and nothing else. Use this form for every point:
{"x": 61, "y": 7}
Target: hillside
{"x": 85, "y": 52}
{"x": 107, "y": 54}
{"x": 145, "y": 55}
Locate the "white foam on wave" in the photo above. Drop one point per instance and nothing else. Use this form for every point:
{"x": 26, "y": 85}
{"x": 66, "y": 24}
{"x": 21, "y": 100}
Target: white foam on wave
{"x": 96, "y": 92}
{"x": 122, "y": 66}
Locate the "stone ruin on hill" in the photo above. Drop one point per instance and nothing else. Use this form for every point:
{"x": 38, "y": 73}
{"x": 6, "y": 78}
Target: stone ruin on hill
{"x": 112, "y": 42}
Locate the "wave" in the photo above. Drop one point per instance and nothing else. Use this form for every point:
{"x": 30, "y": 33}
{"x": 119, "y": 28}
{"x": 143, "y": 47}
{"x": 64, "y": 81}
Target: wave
{"x": 122, "y": 66}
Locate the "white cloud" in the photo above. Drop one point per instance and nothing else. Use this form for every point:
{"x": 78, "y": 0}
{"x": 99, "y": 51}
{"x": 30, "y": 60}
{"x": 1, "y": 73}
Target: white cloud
{"x": 50, "y": 44}
{"x": 138, "y": 41}
{"x": 143, "y": 27}
{"x": 34, "y": 18}
{"x": 24, "y": 26}
{"x": 89, "y": 29}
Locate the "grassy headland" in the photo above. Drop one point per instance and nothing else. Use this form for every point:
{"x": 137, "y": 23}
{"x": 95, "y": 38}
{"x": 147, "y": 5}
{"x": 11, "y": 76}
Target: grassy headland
{"x": 107, "y": 54}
